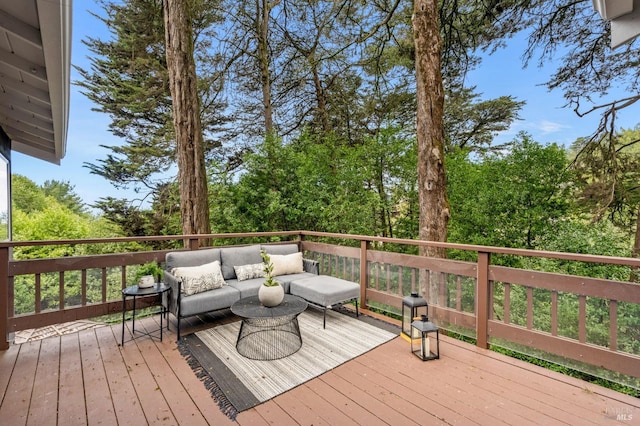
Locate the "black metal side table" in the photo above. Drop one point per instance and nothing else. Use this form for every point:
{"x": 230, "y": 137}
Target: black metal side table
{"x": 134, "y": 291}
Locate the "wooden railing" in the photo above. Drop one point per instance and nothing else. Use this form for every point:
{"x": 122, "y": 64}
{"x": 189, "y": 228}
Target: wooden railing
{"x": 474, "y": 298}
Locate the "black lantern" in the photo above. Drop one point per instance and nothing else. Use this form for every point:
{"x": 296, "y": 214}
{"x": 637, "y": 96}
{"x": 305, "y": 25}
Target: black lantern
{"x": 421, "y": 329}
{"x": 411, "y": 307}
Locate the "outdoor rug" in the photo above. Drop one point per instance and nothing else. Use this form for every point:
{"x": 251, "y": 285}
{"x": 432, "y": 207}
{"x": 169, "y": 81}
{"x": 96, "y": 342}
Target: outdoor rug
{"x": 237, "y": 383}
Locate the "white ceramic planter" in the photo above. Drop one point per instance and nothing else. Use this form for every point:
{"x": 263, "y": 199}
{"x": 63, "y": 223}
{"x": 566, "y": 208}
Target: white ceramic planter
{"x": 271, "y": 296}
{"x": 146, "y": 281}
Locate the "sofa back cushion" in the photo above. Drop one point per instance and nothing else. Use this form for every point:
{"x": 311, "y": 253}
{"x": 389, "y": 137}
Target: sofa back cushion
{"x": 197, "y": 279}
{"x": 191, "y": 258}
{"x": 284, "y": 264}
{"x": 249, "y": 272}
{"x": 280, "y": 248}
{"x": 238, "y": 256}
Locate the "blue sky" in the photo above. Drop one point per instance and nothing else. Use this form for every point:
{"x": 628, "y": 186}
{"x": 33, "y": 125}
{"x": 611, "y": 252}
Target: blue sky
{"x": 544, "y": 115}
{"x": 87, "y": 129}
{"x": 500, "y": 74}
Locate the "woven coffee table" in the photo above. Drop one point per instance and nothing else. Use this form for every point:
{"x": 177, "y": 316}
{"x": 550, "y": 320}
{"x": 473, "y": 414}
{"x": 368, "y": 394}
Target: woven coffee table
{"x": 269, "y": 333}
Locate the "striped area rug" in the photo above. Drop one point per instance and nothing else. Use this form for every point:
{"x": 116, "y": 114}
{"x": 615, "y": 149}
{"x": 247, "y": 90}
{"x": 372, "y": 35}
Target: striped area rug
{"x": 238, "y": 383}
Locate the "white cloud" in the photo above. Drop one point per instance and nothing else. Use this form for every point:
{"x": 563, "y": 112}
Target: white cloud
{"x": 546, "y": 126}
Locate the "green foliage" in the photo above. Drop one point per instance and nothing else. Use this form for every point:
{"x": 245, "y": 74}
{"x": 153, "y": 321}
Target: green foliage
{"x": 509, "y": 199}
{"x": 322, "y": 184}
{"x": 63, "y": 193}
{"x": 608, "y": 170}
{"x": 128, "y": 80}
{"x": 26, "y": 195}
{"x": 150, "y": 268}
{"x": 353, "y": 170}
{"x": 268, "y": 270}
{"x": 579, "y": 236}
{"x": 54, "y": 222}
{"x": 24, "y": 285}
{"x": 59, "y": 215}
{"x": 51, "y": 212}
{"x": 162, "y": 218}
{"x": 471, "y": 125}
{"x": 582, "y": 236}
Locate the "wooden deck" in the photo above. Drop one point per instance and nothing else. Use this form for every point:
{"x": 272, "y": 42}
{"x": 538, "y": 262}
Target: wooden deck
{"x": 88, "y": 378}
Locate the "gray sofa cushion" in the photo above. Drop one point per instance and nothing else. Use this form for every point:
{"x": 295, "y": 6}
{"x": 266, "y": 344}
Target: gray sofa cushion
{"x": 238, "y": 256}
{"x": 280, "y": 248}
{"x": 324, "y": 290}
{"x": 211, "y": 300}
{"x": 247, "y": 288}
{"x": 191, "y": 258}
{"x": 286, "y": 280}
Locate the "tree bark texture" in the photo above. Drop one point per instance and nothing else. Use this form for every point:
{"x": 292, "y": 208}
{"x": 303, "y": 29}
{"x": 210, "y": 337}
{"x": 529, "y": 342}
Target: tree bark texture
{"x": 432, "y": 188}
{"x": 321, "y": 99}
{"x": 264, "y": 60}
{"x": 192, "y": 175}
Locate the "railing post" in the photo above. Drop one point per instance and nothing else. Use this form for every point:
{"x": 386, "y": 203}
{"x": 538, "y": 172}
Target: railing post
{"x": 364, "y": 276}
{"x": 483, "y": 301}
{"x": 4, "y": 298}
{"x": 193, "y": 243}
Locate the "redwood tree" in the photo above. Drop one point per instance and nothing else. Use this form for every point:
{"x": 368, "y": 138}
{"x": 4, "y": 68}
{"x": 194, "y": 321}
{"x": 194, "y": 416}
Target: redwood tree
{"x": 432, "y": 187}
{"x": 192, "y": 176}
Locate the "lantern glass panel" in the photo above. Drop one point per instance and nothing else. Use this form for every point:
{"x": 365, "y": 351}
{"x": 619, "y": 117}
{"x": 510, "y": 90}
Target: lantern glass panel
{"x": 423, "y": 347}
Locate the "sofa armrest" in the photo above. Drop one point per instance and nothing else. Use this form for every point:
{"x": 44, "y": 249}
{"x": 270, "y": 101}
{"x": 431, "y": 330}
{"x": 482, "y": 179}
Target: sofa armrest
{"x": 309, "y": 265}
{"x": 174, "y": 295}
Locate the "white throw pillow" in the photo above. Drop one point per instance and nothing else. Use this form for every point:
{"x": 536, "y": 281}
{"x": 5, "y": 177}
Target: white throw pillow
{"x": 284, "y": 264}
{"x": 196, "y": 279}
{"x": 247, "y": 272}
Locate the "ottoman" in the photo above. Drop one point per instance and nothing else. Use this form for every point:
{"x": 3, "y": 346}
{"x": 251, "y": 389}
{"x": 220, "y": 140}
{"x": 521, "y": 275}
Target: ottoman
{"x": 324, "y": 291}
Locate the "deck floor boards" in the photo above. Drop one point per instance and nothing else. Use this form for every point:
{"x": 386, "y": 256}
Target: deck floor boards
{"x": 87, "y": 377}
{"x": 44, "y": 400}
{"x": 20, "y": 385}
{"x": 123, "y": 396}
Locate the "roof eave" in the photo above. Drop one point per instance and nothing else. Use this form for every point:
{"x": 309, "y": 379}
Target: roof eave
{"x": 55, "y": 26}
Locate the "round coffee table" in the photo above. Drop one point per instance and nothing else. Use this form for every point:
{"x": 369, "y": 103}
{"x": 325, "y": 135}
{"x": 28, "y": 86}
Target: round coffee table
{"x": 269, "y": 333}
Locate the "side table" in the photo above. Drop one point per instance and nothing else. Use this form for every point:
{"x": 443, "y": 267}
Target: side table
{"x": 134, "y": 291}
{"x": 269, "y": 333}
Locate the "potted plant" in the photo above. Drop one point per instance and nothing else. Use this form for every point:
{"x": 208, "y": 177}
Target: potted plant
{"x": 271, "y": 292}
{"x": 148, "y": 274}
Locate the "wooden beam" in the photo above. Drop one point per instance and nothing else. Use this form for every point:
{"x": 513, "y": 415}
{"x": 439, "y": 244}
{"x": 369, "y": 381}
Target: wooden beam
{"x": 483, "y": 303}
{"x": 364, "y": 276}
{"x": 22, "y": 116}
{"x": 24, "y": 128}
{"x": 26, "y": 32}
{"x": 595, "y": 355}
{"x": 23, "y": 103}
{"x": 23, "y": 65}
{"x": 20, "y": 87}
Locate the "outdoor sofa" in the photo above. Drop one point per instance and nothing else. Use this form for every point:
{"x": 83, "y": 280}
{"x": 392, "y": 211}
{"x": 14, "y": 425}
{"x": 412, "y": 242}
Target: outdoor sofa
{"x": 209, "y": 280}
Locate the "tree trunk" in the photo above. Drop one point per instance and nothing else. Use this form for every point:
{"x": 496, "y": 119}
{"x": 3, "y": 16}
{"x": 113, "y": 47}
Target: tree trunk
{"x": 321, "y": 99}
{"x": 192, "y": 175}
{"x": 263, "y": 58}
{"x": 432, "y": 189}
